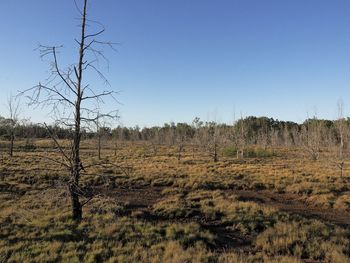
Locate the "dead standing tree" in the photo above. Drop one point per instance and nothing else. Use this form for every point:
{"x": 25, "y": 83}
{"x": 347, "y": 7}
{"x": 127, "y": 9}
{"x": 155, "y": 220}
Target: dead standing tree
{"x": 342, "y": 128}
{"x": 183, "y": 132}
{"x": 239, "y": 137}
{"x": 73, "y": 100}
{"x": 311, "y": 137}
{"x": 101, "y": 131}
{"x": 212, "y": 139}
{"x": 12, "y": 121}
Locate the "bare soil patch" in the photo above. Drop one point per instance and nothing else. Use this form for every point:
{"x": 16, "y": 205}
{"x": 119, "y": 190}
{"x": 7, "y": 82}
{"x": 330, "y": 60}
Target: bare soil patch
{"x": 144, "y": 197}
{"x": 139, "y": 201}
{"x": 294, "y": 204}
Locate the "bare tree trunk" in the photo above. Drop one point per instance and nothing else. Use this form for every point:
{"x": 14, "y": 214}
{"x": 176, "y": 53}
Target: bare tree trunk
{"x": 181, "y": 147}
{"x": 99, "y": 145}
{"x": 215, "y": 153}
{"x": 70, "y": 96}
{"x": 12, "y": 139}
{"x": 342, "y": 129}
{"x": 179, "y": 153}
{"x": 99, "y": 135}
{"x": 13, "y": 108}
{"x": 75, "y": 174}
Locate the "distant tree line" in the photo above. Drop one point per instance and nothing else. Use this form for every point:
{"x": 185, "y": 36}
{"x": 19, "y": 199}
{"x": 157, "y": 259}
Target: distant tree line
{"x": 24, "y": 129}
{"x": 251, "y": 130}
{"x": 312, "y": 136}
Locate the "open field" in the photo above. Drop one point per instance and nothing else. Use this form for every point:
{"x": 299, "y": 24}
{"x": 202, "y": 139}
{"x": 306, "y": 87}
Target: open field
{"x": 145, "y": 205}
{"x": 175, "y": 131}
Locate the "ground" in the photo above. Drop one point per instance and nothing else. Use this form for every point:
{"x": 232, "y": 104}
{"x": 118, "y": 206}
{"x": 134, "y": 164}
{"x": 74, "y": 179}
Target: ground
{"x": 148, "y": 206}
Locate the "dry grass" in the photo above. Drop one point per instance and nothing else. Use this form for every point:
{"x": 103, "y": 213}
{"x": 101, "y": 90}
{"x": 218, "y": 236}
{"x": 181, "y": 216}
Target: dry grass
{"x": 196, "y": 218}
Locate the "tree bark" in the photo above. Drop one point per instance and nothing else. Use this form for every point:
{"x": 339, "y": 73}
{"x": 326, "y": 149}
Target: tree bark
{"x": 75, "y": 174}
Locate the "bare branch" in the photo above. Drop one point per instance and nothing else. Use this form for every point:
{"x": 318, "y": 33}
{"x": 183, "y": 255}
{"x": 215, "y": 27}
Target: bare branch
{"x": 97, "y": 96}
{"x": 78, "y": 9}
{"x": 59, "y": 72}
{"x": 58, "y": 145}
{"x": 56, "y": 161}
{"x": 95, "y": 34}
{"x": 64, "y": 91}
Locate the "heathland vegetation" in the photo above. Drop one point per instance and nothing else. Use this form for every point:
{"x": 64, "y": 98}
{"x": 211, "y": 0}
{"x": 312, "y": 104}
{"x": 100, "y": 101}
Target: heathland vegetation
{"x": 85, "y": 190}
{"x": 260, "y": 190}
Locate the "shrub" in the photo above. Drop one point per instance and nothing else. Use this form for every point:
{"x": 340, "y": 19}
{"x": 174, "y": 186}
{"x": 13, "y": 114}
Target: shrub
{"x": 259, "y": 152}
{"x": 229, "y": 151}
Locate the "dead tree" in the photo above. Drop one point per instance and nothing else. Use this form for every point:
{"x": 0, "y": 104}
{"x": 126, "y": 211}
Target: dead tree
{"x": 183, "y": 133}
{"x": 212, "y": 139}
{"x": 155, "y": 140}
{"x": 197, "y": 126}
{"x": 181, "y": 139}
{"x": 73, "y": 102}
{"x": 101, "y": 131}
{"x": 342, "y": 136}
{"x": 239, "y": 137}
{"x": 12, "y": 121}
{"x": 263, "y": 136}
{"x": 99, "y": 139}
{"x": 311, "y": 137}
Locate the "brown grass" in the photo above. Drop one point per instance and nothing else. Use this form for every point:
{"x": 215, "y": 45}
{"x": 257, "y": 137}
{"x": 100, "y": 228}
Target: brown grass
{"x": 150, "y": 207}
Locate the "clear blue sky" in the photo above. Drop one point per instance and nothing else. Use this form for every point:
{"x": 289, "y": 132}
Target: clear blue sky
{"x": 185, "y": 58}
